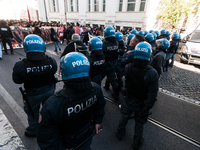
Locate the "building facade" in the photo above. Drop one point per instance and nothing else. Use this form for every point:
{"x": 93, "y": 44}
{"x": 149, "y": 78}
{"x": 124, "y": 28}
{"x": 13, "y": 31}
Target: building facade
{"x": 137, "y": 14}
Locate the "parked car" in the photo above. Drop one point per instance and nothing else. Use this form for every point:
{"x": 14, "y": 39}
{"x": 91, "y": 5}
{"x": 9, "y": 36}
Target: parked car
{"x": 190, "y": 52}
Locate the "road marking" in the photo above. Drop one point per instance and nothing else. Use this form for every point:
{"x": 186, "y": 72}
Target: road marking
{"x": 9, "y": 139}
{"x": 181, "y": 97}
{"x": 14, "y": 106}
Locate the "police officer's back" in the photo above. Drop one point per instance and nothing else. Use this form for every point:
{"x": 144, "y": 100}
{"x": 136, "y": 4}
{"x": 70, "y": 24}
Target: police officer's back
{"x": 6, "y": 36}
{"x": 110, "y": 50}
{"x": 36, "y": 71}
{"x": 96, "y": 59}
{"x": 158, "y": 59}
{"x": 73, "y": 113}
{"x": 142, "y": 86}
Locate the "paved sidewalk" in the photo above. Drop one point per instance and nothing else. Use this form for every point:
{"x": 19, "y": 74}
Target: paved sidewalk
{"x": 182, "y": 79}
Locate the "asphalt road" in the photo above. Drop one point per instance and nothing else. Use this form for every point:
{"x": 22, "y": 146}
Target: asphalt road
{"x": 174, "y": 113}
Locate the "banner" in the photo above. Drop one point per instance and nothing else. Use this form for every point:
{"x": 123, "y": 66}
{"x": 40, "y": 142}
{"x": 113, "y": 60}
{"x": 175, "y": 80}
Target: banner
{"x": 19, "y": 33}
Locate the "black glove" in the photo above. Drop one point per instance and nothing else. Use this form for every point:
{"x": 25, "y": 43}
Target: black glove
{"x": 144, "y": 112}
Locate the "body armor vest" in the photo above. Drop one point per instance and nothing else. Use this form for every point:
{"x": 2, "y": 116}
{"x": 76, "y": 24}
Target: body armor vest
{"x": 78, "y": 109}
{"x": 96, "y": 65}
{"x": 38, "y": 73}
{"x": 111, "y": 53}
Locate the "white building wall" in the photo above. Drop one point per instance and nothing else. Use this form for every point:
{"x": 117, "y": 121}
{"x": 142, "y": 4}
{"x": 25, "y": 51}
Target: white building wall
{"x": 146, "y": 20}
{"x": 111, "y": 16}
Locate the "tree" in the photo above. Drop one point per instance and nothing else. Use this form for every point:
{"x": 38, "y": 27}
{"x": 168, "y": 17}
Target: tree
{"x": 171, "y": 12}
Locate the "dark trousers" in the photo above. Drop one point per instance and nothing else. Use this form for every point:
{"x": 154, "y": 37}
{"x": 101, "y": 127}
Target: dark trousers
{"x": 126, "y": 112}
{"x": 109, "y": 71}
{"x": 9, "y": 41}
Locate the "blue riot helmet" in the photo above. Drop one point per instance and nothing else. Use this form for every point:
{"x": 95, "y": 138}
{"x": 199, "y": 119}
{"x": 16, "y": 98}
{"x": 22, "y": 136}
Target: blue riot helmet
{"x": 175, "y": 36}
{"x": 167, "y": 33}
{"x": 134, "y": 32}
{"x": 157, "y": 32}
{"x": 109, "y": 32}
{"x": 33, "y": 43}
{"x": 149, "y": 37}
{"x": 130, "y": 36}
{"x": 95, "y": 44}
{"x": 143, "y": 51}
{"x": 141, "y": 33}
{"x": 150, "y": 31}
{"x": 74, "y": 65}
{"x": 154, "y": 35}
{"x": 145, "y": 33}
{"x": 179, "y": 37}
{"x": 162, "y": 32}
{"x": 163, "y": 43}
{"x": 119, "y": 36}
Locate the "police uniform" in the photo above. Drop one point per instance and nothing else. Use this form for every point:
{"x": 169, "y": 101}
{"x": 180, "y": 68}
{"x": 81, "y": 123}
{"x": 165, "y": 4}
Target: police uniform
{"x": 37, "y": 73}
{"x": 69, "y": 116}
{"x": 97, "y": 63}
{"x": 6, "y": 36}
{"x": 142, "y": 86}
{"x": 110, "y": 50}
{"x": 170, "y": 52}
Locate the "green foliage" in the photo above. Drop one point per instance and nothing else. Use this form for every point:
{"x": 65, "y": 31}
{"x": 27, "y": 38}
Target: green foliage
{"x": 172, "y": 11}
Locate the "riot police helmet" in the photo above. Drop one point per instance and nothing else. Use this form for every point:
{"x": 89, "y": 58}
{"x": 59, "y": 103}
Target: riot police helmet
{"x": 134, "y": 32}
{"x": 175, "y": 36}
{"x": 119, "y": 36}
{"x": 141, "y": 33}
{"x": 149, "y": 37}
{"x": 109, "y": 32}
{"x": 163, "y": 32}
{"x": 143, "y": 51}
{"x": 95, "y": 44}
{"x": 74, "y": 65}
{"x": 33, "y": 43}
{"x": 163, "y": 43}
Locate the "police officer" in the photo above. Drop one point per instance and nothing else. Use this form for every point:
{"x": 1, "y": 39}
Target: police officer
{"x": 158, "y": 59}
{"x": 96, "y": 59}
{"x": 130, "y": 36}
{"x": 6, "y": 36}
{"x": 176, "y": 50}
{"x": 36, "y": 71}
{"x": 162, "y": 34}
{"x": 150, "y": 39}
{"x": 168, "y": 35}
{"x": 72, "y": 114}
{"x": 75, "y": 45}
{"x": 171, "y": 50}
{"x": 141, "y": 33}
{"x": 129, "y": 55}
{"x": 142, "y": 86}
{"x": 110, "y": 50}
{"x": 134, "y": 32}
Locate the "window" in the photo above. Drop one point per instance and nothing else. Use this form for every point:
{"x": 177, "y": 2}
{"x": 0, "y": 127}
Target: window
{"x": 89, "y": 5}
{"x": 53, "y": 5}
{"x": 104, "y": 5}
{"x": 131, "y": 5}
{"x": 142, "y": 5}
{"x": 72, "y": 6}
{"x": 77, "y": 6}
{"x": 65, "y": 5}
{"x": 96, "y": 5}
{"x": 120, "y": 5}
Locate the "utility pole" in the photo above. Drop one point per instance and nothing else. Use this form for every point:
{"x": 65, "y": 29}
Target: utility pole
{"x": 45, "y": 10}
{"x": 65, "y": 6}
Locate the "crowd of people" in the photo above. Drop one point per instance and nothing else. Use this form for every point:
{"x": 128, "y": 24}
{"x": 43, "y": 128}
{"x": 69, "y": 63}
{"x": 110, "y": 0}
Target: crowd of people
{"x": 71, "y": 115}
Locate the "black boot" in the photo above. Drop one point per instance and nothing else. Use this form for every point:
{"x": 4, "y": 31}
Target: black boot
{"x": 107, "y": 84}
{"x": 115, "y": 94}
{"x": 137, "y": 142}
{"x": 120, "y": 134}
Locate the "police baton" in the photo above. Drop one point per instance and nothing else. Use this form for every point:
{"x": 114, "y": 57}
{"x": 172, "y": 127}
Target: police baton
{"x": 27, "y": 102}
{"x": 135, "y": 116}
{"x": 93, "y": 134}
